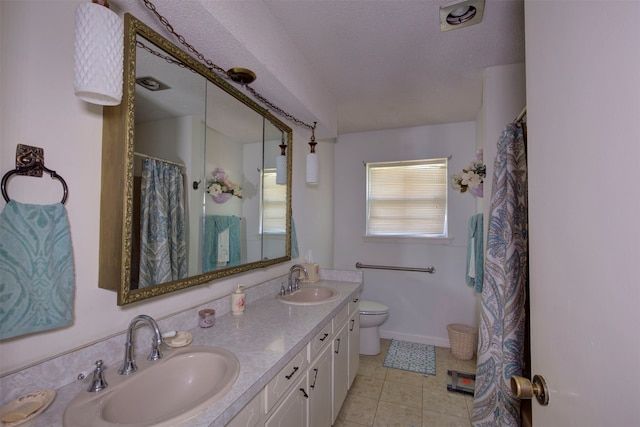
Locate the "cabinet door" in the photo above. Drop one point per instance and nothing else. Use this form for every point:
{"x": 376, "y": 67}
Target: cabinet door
{"x": 249, "y": 416}
{"x": 292, "y": 411}
{"x": 354, "y": 346}
{"x": 320, "y": 390}
{"x": 340, "y": 368}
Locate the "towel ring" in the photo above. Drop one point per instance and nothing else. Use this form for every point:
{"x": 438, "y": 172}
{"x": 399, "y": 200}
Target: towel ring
{"x": 34, "y": 165}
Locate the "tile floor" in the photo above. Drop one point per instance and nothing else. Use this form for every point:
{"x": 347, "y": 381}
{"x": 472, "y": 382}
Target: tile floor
{"x": 383, "y": 397}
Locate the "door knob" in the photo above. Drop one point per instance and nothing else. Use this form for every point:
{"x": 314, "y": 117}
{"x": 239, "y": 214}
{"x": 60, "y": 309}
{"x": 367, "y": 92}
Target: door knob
{"x": 525, "y": 389}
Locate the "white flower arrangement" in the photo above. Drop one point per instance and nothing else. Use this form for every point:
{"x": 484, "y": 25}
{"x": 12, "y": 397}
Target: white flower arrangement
{"x": 220, "y": 183}
{"x": 471, "y": 177}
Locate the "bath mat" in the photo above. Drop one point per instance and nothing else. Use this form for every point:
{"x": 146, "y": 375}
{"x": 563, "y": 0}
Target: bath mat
{"x": 410, "y": 356}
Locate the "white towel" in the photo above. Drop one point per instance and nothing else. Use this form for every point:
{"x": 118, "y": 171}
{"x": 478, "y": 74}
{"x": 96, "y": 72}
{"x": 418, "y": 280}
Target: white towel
{"x": 223, "y": 248}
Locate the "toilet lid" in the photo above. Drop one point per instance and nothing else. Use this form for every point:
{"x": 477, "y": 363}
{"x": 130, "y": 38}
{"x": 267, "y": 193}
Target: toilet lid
{"x": 372, "y": 307}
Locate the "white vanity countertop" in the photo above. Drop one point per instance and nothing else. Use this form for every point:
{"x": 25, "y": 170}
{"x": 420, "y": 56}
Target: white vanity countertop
{"x": 264, "y": 338}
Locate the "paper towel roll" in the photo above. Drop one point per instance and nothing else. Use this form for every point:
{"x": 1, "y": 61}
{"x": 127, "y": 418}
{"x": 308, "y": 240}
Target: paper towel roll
{"x": 313, "y": 269}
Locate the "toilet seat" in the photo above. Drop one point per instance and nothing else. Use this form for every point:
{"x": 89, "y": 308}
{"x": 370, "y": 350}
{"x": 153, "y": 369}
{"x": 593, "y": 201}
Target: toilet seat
{"x": 372, "y": 308}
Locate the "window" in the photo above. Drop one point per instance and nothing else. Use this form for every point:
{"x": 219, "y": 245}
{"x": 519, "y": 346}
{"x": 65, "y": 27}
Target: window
{"x": 407, "y": 198}
{"x": 274, "y": 204}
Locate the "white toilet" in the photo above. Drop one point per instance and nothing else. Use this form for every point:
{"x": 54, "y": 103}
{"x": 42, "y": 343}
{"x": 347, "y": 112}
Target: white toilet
{"x": 372, "y": 315}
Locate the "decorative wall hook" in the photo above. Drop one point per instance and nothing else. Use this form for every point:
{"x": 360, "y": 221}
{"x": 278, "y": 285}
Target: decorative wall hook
{"x": 28, "y": 159}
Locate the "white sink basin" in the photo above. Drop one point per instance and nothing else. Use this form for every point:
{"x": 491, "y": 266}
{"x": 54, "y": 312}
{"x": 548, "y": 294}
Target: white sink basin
{"x": 184, "y": 383}
{"x": 310, "y": 295}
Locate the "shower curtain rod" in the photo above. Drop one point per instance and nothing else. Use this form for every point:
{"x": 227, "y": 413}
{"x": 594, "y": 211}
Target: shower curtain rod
{"x": 182, "y": 165}
{"x": 430, "y": 269}
{"x": 521, "y": 116}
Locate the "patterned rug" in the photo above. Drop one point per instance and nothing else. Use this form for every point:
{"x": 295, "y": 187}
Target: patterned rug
{"x": 412, "y": 357}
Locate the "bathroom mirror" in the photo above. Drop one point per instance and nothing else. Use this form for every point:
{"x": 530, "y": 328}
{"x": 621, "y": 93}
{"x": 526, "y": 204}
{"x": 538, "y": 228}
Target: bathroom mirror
{"x": 189, "y": 189}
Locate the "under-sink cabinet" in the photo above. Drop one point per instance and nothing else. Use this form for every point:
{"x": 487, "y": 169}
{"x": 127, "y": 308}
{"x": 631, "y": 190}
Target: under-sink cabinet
{"x": 250, "y": 415}
{"x": 292, "y": 411}
{"x": 282, "y": 382}
{"x": 320, "y": 384}
{"x": 354, "y": 344}
{"x": 340, "y": 369}
{"x": 310, "y": 390}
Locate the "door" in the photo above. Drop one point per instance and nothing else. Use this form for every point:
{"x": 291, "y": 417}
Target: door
{"x": 584, "y": 150}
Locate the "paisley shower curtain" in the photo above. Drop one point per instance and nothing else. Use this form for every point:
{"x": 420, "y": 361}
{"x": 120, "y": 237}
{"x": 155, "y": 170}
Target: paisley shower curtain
{"x": 162, "y": 235}
{"x": 502, "y": 321}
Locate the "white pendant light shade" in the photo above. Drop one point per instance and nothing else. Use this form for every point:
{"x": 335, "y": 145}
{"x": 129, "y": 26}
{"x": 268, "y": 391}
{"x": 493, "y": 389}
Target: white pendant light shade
{"x": 313, "y": 168}
{"x": 281, "y": 170}
{"x": 99, "y": 43}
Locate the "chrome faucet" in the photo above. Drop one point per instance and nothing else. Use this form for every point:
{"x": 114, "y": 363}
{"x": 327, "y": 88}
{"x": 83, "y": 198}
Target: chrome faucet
{"x": 295, "y": 285}
{"x": 129, "y": 364}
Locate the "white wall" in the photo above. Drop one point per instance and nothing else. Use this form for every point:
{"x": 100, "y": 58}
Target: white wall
{"x": 503, "y": 98}
{"x": 313, "y": 207}
{"x": 38, "y": 108}
{"x": 420, "y": 304}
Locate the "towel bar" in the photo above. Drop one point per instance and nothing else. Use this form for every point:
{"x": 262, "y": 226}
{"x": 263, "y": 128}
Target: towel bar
{"x": 431, "y": 269}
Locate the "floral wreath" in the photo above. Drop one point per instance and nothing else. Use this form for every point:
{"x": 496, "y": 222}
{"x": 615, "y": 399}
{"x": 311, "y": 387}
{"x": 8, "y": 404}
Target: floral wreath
{"x": 471, "y": 177}
{"x": 220, "y": 183}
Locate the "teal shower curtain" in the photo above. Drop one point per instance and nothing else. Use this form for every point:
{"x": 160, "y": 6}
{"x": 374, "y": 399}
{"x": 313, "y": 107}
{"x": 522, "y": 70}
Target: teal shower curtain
{"x": 163, "y": 246}
{"x": 506, "y": 273}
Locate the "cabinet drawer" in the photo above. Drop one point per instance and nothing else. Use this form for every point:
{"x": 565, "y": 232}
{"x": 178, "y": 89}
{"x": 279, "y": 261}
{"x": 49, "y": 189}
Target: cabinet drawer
{"x": 340, "y": 318}
{"x": 321, "y": 339}
{"x": 354, "y": 304}
{"x": 289, "y": 375}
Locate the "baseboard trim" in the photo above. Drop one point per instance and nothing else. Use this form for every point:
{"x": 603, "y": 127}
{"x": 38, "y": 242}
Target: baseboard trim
{"x": 420, "y": 339}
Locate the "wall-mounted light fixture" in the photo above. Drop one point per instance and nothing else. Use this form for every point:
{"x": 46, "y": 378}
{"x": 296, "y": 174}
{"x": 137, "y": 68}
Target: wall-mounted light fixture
{"x": 313, "y": 165}
{"x": 281, "y": 164}
{"x": 99, "y": 43}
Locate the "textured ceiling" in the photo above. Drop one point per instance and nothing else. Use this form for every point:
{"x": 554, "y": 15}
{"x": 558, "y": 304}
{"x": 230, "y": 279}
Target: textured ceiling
{"x": 352, "y": 65}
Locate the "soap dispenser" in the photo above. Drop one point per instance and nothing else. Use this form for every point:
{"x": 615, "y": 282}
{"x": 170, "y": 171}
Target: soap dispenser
{"x": 237, "y": 301}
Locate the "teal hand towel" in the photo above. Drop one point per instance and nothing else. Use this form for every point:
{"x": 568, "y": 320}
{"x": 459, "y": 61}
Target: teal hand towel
{"x": 475, "y": 257}
{"x": 36, "y": 269}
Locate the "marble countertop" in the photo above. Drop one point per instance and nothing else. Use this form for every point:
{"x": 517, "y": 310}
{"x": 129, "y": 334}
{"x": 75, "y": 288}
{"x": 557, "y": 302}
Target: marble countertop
{"x": 264, "y": 338}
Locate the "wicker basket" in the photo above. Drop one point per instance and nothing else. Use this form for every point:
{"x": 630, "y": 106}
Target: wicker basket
{"x": 463, "y": 339}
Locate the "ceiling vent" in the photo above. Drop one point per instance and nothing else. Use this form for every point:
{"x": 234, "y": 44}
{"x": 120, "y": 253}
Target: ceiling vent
{"x": 461, "y": 14}
{"x": 151, "y": 83}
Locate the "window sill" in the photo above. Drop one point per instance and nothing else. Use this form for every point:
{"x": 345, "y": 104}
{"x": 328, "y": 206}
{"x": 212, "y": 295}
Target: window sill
{"x": 409, "y": 240}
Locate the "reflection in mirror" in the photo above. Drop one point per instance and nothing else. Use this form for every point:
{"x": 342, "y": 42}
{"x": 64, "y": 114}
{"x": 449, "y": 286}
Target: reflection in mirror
{"x": 169, "y": 134}
{"x": 274, "y": 200}
{"x": 197, "y": 159}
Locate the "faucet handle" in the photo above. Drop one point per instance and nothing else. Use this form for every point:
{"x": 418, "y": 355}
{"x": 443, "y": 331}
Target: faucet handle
{"x": 155, "y": 352}
{"x": 98, "y": 382}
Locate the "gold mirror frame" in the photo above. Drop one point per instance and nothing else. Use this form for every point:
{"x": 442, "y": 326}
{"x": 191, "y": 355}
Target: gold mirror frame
{"x": 116, "y": 204}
